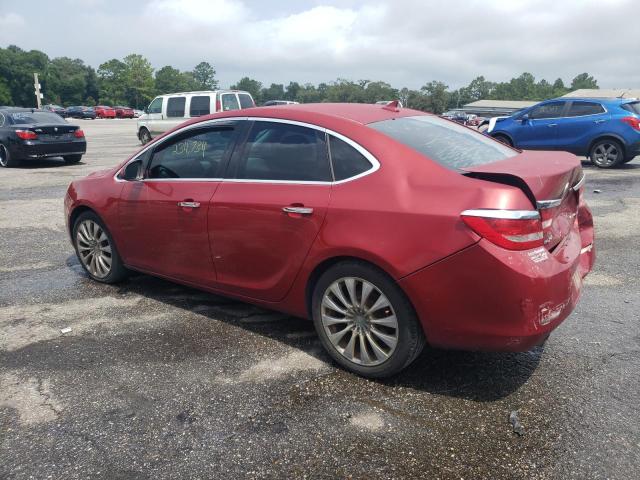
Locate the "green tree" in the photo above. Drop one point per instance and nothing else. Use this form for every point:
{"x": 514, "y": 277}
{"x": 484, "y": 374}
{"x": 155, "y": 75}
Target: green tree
{"x": 69, "y": 81}
{"x": 169, "y": 80}
{"x": 558, "y": 88}
{"x": 250, "y": 85}
{"x": 292, "y": 91}
{"x": 274, "y": 92}
{"x": 17, "y": 67}
{"x": 437, "y": 95}
{"x": 112, "y": 80}
{"x": 204, "y": 77}
{"x": 139, "y": 80}
{"x": 584, "y": 80}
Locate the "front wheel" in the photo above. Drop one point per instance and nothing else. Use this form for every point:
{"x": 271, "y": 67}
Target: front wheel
{"x": 95, "y": 249}
{"x": 504, "y": 139}
{"x": 364, "y": 320}
{"x": 606, "y": 153}
{"x": 144, "y": 136}
{"x": 72, "y": 158}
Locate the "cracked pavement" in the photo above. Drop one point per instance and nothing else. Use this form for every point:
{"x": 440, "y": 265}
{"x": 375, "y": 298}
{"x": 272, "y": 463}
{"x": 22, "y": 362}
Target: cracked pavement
{"x": 156, "y": 380}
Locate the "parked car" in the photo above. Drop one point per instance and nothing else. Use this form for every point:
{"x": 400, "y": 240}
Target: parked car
{"x": 55, "y": 109}
{"x": 138, "y": 113}
{"x": 27, "y": 134}
{"x": 124, "y": 112}
{"x": 81, "y": 112}
{"x": 103, "y": 111}
{"x": 168, "y": 111}
{"x": 476, "y": 246}
{"x": 605, "y": 130}
{"x": 271, "y": 103}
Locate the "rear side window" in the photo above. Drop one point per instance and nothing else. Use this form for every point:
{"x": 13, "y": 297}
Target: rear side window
{"x": 579, "y": 109}
{"x": 246, "y": 101}
{"x": 279, "y": 151}
{"x": 229, "y": 102}
{"x": 200, "y": 106}
{"x": 443, "y": 141}
{"x": 548, "y": 110}
{"x": 347, "y": 161}
{"x": 195, "y": 154}
{"x": 175, "y": 107}
{"x": 155, "y": 106}
{"x": 633, "y": 107}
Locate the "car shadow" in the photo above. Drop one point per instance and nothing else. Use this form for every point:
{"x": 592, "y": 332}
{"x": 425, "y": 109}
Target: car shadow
{"x": 633, "y": 165}
{"x": 478, "y": 376}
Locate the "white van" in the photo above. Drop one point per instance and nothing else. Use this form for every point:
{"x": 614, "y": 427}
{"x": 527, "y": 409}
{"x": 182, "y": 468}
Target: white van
{"x": 168, "y": 111}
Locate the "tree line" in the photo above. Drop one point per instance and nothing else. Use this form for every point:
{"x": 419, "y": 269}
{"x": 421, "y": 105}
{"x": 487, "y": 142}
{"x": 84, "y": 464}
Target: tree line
{"x": 132, "y": 81}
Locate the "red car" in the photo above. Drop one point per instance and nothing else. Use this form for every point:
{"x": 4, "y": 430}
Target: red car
{"x": 103, "y": 111}
{"x": 389, "y": 227}
{"x": 123, "y": 112}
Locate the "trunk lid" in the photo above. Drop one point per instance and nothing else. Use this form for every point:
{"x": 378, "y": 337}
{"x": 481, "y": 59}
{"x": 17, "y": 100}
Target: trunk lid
{"x": 548, "y": 179}
{"x": 50, "y": 132}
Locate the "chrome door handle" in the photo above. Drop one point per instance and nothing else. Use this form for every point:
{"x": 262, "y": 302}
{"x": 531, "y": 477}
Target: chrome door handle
{"x": 299, "y": 210}
{"x": 552, "y": 125}
{"x": 189, "y": 204}
{"x": 599, "y": 121}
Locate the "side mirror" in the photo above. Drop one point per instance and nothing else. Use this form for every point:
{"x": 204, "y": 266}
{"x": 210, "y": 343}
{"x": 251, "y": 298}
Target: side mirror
{"x": 146, "y": 109}
{"x": 524, "y": 118}
{"x": 132, "y": 171}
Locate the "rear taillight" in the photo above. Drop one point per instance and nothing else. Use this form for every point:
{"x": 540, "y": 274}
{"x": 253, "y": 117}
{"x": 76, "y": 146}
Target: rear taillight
{"x": 510, "y": 229}
{"x": 78, "y": 134}
{"x": 633, "y": 122}
{"x": 218, "y": 105}
{"x": 26, "y": 134}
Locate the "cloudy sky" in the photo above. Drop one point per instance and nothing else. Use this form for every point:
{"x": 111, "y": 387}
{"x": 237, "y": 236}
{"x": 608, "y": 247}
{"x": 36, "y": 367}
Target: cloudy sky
{"x": 404, "y": 42}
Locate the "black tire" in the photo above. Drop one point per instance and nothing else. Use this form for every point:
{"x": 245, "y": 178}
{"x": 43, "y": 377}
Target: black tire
{"x": 410, "y": 337}
{"x": 606, "y": 153}
{"x": 504, "y": 139}
{"x": 72, "y": 158}
{"x": 117, "y": 271}
{"x": 144, "y": 136}
{"x": 6, "y": 160}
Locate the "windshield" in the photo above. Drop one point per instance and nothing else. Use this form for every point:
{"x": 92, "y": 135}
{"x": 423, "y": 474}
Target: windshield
{"x": 445, "y": 142}
{"x": 24, "y": 118}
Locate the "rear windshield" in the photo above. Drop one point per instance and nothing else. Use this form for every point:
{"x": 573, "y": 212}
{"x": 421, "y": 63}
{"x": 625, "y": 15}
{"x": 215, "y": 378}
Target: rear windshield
{"x": 448, "y": 143}
{"x": 24, "y": 118}
{"x": 633, "y": 107}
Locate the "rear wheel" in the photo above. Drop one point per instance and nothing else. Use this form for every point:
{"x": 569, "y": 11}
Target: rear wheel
{"x": 504, "y": 139}
{"x": 606, "y": 153}
{"x": 6, "y": 160}
{"x": 95, "y": 249}
{"x": 144, "y": 136}
{"x": 364, "y": 321}
{"x": 72, "y": 158}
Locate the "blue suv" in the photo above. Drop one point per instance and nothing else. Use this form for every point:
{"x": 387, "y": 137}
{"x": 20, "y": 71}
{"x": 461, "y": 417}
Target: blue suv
{"x": 605, "y": 130}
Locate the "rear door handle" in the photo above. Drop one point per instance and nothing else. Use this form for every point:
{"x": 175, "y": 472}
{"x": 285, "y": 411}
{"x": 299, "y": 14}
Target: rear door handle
{"x": 298, "y": 210}
{"x": 599, "y": 121}
{"x": 186, "y": 204}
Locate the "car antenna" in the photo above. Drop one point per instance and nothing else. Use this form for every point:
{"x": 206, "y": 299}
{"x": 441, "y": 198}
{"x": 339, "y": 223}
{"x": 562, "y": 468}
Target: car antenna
{"x": 392, "y": 106}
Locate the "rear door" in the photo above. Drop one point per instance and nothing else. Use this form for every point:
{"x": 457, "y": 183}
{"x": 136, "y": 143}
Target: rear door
{"x": 583, "y": 121}
{"x": 229, "y": 101}
{"x": 164, "y": 217}
{"x": 266, "y": 215}
{"x": 540, "y": 130}
{"x": 175, "y": 112}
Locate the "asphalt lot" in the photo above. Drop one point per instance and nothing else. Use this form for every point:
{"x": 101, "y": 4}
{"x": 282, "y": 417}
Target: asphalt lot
{"x": 156, "y": 380}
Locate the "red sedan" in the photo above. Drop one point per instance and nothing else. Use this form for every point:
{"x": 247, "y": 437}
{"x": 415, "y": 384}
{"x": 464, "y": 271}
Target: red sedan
{"x": 123, "y": 112}
{"x": 102, "y": 111}
{"x": 389, "y": 227}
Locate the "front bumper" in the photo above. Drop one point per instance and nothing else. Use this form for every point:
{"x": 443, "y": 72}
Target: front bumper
{"x": 489, "y": 298}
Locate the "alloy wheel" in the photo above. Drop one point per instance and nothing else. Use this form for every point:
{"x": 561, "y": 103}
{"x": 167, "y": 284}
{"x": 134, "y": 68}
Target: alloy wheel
{"x": 605, "y": 154}
{"x": 94, "y": 248}
{"x": 359, "y": 321}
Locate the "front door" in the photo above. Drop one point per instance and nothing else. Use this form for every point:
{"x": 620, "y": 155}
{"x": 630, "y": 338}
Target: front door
{"x": 155, "y": 116}
{"x": 540, "y": 130}
{"x": 164, "y": 217}
{"x": 266, "y": 216}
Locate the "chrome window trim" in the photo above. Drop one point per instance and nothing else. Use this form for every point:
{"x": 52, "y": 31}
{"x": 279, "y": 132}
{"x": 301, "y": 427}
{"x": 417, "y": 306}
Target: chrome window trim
{"x": 544, "y": 204}
{"x": 506, "y": 214}
{"x": 579, "y": 183}
{"x": 2, "y": 119}
{"x": 375, "y": 164}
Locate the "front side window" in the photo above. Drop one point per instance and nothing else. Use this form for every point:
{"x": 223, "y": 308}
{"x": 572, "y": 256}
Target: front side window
{"x": 280, "y": 151}
{"x": 548, "y": 110}
{"x": 579, "y": 109}
{"x": 155, "y": 106}
{"x": 200, "y": 106}
{"x": 198, "y": 153}
{"x": 229, "y": 102}
{"x": 347, "y": 161}
{"x": 246, "y": 101}
{"x": 450, "y": 144}
{"x": 175, "y": 107}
